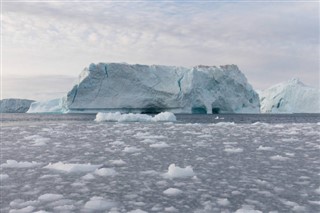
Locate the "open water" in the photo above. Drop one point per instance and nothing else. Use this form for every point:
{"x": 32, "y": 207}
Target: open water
{"x": 222, "y": 163}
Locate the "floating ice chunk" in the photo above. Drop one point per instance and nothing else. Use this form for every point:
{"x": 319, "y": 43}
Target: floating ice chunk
{"x": 137, "y": 211}
{"x": 21, "y": 164}
{"x": 105, "y": 172}
{"x": 265, "y": 148}
{"x": 130, "y": 117}
{"x": 65, "y": 208}
{"x": 50, "y": 197}
{"x": 279, "y": 158}
{"x": 171, "y": 209}
{"x": 88, "y": 176}
{"x": 165, "y": 116}
{"x": 131, "y": 149}
{"x": 172, "y": 192}
{"x": 159, "y": 145}
{"x": 99, "y": 204}
{"x": 223, "y": 201}
{"x": 317, "y": 190}
{"x": 233, "y": 150}
{"x": 3, "y": 177}
{"x": 27, "y": 209}
{"x": 247, "y": 209}
{"x": 177, "y": 172}
{"x": 117, "y": 162}
{"x": 72, "y": 168}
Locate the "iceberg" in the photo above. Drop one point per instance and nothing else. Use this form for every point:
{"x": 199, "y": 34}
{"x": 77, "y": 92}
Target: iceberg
{"x": 50, "y": 106}
{"x": 125, "y": 88}
{"x": 14, "y": 105}
{"x": 290, "y": 97}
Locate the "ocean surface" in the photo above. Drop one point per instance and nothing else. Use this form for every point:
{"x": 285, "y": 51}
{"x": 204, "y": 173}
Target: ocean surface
{"x": 200, "y": 163}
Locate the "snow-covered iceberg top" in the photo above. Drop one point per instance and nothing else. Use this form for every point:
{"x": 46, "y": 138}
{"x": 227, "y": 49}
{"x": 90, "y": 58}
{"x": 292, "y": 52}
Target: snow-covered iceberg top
{"x": 13, "y": 105}
{"x": 290, "y": 97}
{"x": 138, "y": 88}
{"x": 131, "y": 117}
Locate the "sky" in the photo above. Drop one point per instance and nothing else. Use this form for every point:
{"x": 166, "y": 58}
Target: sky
{"x": 46, "y": 44}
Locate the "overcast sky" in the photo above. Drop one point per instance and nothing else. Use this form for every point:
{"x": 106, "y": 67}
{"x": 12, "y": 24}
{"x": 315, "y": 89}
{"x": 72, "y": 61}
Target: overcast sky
{"x": 45, "y": 45}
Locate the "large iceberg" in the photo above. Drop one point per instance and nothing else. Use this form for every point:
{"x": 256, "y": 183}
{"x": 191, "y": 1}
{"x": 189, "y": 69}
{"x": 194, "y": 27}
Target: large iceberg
{"x": 14, "y": 105}
{"x": 137, "y": 88}
{"x": 290, "y": 97}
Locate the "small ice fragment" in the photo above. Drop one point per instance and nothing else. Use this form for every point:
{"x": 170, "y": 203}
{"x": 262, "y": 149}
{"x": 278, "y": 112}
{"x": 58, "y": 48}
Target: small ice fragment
{"x": 50, "y": 197}
{"x": 279, "y": 158}
{"x": 172, "y": 192}
{"x": 21, "y": 164}
{"x": 99, "y": 204}
{"x": 131, "y": 149}
{"x": 223, "y": 202}
{"x": 72, "y": 168}
{"x": 105, "y": 172}
{"x": 137, "y": 211}
{"x": 159, "y": 145}
{"x": 233, "y": 150}
{"x": 118, "y": 162}
{"x": 178, "y": 172}
{"x": 27, "y": 209}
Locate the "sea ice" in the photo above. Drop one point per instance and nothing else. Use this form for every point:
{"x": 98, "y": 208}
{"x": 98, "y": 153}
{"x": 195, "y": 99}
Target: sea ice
{"x": 72, "y": 168}
{"x": 159, "y": 145}
{"x": 50, "y": 197}
{"x": 130, "y": 117}
{"x": 178, "y": 172}
{"x": 105, "y": 172}
{"x": 172, "y": 192}
{"x": 97, "y": 204}
{"x": 22, "y": 164}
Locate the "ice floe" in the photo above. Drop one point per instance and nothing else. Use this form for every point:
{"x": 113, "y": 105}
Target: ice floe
{"x": 72, "y": 167}
{"x": 131, "y": 117}
{"x": 21, "y": 164}
{"x": 178, "y": 172}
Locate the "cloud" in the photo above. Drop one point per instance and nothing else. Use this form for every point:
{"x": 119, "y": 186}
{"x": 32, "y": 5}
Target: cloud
{"x": 271, "y": 42}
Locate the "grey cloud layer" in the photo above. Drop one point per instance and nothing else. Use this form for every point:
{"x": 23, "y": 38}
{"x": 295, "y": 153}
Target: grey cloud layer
{"x": 271, "y": 42}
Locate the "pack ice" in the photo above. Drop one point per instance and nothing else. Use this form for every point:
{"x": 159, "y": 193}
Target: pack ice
{"x": 152, "y": 89}
{"x": 290, "y": 97}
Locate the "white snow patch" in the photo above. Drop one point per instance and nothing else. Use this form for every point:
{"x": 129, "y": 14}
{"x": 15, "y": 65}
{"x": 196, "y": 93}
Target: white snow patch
{"x": 105, "y": 172}
{"x": 159, "y": 145}
{"x": 172, "y": 192}
{"x": 178, "y": 172}
{"x": 72, "y": 168}
{"x": 50, "y": 197}
{"x": 21, "y": 164}
{"x": 130, "y": 117}
{"x": 99, "y": 204}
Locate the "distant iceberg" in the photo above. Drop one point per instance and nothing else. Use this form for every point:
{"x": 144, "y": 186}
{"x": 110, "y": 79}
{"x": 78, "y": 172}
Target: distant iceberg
{"x": 13, "y": 105}
{"x": 290, "y": 97}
